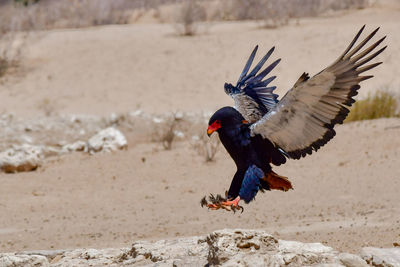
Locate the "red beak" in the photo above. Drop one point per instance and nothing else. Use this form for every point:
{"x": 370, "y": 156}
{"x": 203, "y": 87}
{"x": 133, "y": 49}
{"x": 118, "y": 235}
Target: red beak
{"x": 210, "y": 131}
{"x": 213, "y": 127}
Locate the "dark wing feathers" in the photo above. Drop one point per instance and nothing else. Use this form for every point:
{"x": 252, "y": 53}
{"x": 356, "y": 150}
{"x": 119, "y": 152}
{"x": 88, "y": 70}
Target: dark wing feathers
{"x": 253, "y": 98}
{"x": 259, "y": 65}
{"x": 303, "y": 120}
{"x": 248, "y": 64}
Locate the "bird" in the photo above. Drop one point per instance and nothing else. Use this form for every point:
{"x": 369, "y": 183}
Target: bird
{"x": 261, "y": 130}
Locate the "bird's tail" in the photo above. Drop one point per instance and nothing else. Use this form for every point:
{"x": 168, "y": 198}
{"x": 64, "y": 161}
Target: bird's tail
{"x": 277, "y": 182}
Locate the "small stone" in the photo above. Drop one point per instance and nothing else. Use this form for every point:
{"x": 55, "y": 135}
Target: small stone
{"x": 21, "y": 158}
{"x": 107, "y": 140}
{"x": 77, "y": 146}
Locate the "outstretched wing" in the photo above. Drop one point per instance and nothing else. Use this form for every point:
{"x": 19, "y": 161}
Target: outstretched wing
{"x": 253, "y": 97}
{"x": 303, "y": 120}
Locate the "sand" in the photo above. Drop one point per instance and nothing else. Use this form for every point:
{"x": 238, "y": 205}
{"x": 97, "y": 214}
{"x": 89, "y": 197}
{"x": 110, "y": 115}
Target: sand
{"x": 346, "y": 195}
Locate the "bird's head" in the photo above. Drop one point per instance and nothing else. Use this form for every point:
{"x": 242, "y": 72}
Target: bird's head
{"x": 224, "y": 118}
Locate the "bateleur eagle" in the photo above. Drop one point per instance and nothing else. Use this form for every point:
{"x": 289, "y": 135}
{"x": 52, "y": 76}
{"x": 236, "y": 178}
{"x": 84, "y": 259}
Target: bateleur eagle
{"x": 261, "y": 130}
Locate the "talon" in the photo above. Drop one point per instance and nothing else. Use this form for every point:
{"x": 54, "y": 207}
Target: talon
{"x": 203, "y": 202}
{"x": 233, "y": 208}
{"x": 213, "y": 206}
{"x": 218, "y": 202}
{"x": 234, "y": 202}
{"x": 241, "y": 208}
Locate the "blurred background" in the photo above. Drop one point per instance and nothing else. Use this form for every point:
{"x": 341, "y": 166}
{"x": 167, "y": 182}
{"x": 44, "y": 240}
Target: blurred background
{"x": 104, "y": 111}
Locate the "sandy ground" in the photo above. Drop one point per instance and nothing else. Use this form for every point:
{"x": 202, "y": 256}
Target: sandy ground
{"x": 346, "y": 195}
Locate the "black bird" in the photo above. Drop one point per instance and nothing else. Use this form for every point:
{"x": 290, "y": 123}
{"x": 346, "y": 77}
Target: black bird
{"x": 261, "y": 130}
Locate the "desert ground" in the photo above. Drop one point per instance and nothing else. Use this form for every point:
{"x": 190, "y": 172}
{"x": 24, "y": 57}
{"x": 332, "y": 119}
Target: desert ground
{"x": 345, "y": 196}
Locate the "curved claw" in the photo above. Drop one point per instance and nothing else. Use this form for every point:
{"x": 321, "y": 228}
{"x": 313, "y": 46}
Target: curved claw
{"x": 213, "y": 207}
{"x": 203, "y": 202}
{"x": 218, "y": 202}
{"x": 235, "y": 208}
{"x": 241, "y": 208}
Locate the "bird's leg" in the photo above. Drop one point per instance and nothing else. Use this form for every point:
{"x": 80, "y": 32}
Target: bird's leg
{"x": 233, "y": 204}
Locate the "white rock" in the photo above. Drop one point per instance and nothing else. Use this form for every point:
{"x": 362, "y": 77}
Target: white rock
{"x": 303, "y": 247}
{"x": 21, "y": 158}
{"x": 179, "y": 134}
{"x": 135, "y": 113}
{"x": 385, "y": 257}
{"x": 107, "y": 140}
{"x": 158, "y": 120}
{"x": 179, "y": 115}
{"x": 14, "y": 260}
{"x": 351, "y": 260}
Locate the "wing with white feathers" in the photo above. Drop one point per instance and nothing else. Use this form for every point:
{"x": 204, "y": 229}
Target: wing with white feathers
{"x": 303, "y": 120}
{"x": 252, "y": 95}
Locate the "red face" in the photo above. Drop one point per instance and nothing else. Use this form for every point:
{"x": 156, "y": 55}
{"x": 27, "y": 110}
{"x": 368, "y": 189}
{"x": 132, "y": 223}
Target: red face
{"x": 213, "y": 127}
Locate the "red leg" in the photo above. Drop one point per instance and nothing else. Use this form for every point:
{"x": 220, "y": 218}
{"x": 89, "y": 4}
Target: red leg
{"x": 234, "y": 202}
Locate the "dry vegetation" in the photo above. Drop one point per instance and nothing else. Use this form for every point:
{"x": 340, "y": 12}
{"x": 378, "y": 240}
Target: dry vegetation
{"x": 188, "y": 15}
{"x": 275, "y": 13}
{"x": 270, "y": 13}
{"x": 49, "y": 14}
{"x": 63, "y": 14}
{"x": 165, "y": 131}
{"x": 11, "y": 50}
{"x": 380, "y": 105}
{"x": 206, "y": 147}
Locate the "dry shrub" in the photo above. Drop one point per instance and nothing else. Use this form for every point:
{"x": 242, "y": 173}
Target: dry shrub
{"x": 275, "y": 13}
{"x": 206, "y": 147}
{"x": 14, "y": 35}
{"x": 12, "y": 45}
{"x": 380, "y": 105}
{"x": 188, "y": 15}
{"x": 165, "y": 130}
{"x": 271, "y": 13}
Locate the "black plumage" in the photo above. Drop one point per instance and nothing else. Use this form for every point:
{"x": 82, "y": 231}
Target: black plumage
{"x": 246, "y": 150}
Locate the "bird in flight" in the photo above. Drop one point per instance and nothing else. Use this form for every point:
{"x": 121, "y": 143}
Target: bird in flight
{"x": 260, "y": 130}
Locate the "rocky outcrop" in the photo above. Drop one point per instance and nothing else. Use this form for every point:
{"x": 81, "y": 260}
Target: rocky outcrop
{"x": 222, "y": 248}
